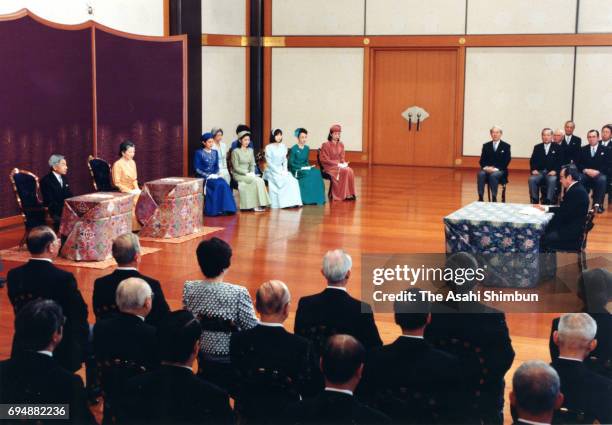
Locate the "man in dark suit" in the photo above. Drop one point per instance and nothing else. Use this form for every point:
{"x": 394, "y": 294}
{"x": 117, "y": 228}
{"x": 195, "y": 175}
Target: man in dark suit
{"x": 535, "y": 393}
{"x": 584, "y": 390}
{"x": 173, "y": 394}
{"x": 545, "y": 163}
{"x": 573, "y": 143}
{"x": 39, "y": 278}
{"x": 561, "y": 145}
{"x": 494, "y": 161}
{"x": 481, "y": 326}
{"x": 334, "y": 309}
{"x": 31, "y": 375}
{"x": 55, "y": 189}
{"x": 566, "y": 229}
{"x": 606, "y": 142}
{"x": 268, "y": 346}
{"x": 411, "y": 365}
{"x": 342, "y": 365}
{"x": 126, "y": 252}
{"x": 594, "y": 163}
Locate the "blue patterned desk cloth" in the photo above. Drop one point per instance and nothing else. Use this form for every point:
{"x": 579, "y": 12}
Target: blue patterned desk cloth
{"x": 506, "y": 240}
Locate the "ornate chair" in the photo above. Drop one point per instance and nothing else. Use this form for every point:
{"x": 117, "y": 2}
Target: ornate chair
{"x": 112, "y": 375}
{"x": 101, "y": 175}
{"x": 27, "y": 191}
{"x": 580, "y": 248}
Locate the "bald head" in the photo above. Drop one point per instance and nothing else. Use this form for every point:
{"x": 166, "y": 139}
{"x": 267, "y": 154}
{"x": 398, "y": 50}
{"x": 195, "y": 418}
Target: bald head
{"x": 342, "y": 359}
{"x": 126, "y": 249}
{"x": 337, "y": 266}
{"x": 272, "y": 297}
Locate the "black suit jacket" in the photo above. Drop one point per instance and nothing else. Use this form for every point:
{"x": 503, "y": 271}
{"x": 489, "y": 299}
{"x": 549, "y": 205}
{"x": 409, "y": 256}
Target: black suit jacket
{"x": 412, "y": 363}
{"x": 572, "y": 151}
{"x": 337, "y": 310}
{"x": 585, "y": 390}
{"x": 41, "y": 279}
{"x": 54, "y": 194}
{"x": 33, "y": 378}
{"x": 603, "y": 351}
{"x": 570, "y": 217}
{"x": 274, "y": 348}
{"x": 540, "y": 161}
{"x": 126, "y": 337}
{"x": 174, "y": 395}
{"x": 105, "y": 288}
{"x": 498, "y": 159}
{"x": 599, "y": 162}
{"x": 480, "y": 325}
{"x": 330, "y": 407}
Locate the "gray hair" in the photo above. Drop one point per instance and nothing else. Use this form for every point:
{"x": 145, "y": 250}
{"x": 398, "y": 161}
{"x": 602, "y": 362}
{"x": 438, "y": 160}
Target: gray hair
{"x": 132, "y": 293}
{"x": 496, "y": 127}
{"x": 559, "y": 131}
{"x": 271, "y": 297}
{"x": 547, "y": 129}
{"x": 576, "y": 329}
{"x": 536, "y": 386}
{"x": 125, "y": 248}
{"x": 55, "y": 159}
{"x": 336, "y": 264}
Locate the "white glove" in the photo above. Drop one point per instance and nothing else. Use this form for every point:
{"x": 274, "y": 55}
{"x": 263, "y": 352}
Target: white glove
{"x": 342, "y": 165}
{"x": 135, "y": 191}
{"x": 308, "y": 167}
{"x": 213, "y": 176}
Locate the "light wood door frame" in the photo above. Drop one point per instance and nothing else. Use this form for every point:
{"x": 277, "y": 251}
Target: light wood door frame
{"x": 370, "y": 61}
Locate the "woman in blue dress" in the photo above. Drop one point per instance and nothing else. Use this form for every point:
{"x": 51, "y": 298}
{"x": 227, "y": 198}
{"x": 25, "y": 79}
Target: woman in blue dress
{"x": 311, "y": 183}
{"x": 218, "y": 195}
{"x": 283, "y": 188}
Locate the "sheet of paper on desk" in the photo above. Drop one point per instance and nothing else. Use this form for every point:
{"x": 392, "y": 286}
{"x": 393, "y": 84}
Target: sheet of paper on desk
{"x": 531, "y": 211}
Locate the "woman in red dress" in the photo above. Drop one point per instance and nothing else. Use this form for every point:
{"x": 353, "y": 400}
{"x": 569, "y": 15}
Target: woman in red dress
{"x": 332, "y": 160}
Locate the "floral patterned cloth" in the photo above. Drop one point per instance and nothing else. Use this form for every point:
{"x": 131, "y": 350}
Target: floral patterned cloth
{"x": 171, "y": 207}
{"x": 503, "y": 235}
{"x": 91, "y": 222}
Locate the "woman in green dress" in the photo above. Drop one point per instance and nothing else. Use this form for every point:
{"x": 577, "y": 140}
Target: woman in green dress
{"x": 312, "y": 188}
{"x": 251, "y": 188}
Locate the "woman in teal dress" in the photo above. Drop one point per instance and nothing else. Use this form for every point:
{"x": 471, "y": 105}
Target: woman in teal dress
{"x": 312, "y": 188}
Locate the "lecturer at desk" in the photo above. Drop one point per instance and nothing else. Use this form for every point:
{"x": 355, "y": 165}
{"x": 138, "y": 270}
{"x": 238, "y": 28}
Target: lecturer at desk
{"x": 565, "y": 230}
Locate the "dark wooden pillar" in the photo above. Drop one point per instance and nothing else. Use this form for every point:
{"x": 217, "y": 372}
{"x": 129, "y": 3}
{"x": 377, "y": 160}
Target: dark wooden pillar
{"x": 256, "y": 70}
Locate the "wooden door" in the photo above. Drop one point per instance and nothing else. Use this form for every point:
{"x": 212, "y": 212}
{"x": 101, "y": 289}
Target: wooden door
{"x": 404, "y": 78}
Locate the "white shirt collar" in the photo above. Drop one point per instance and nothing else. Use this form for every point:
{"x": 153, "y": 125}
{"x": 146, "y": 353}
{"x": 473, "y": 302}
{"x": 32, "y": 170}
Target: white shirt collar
{"x": 272, "y": 325}
{"x": 45, "y": 352}
{"x": 546, "y": 147}
{"x": 533, "y": 422}
{"x": 178, "y": 365}
{"x": 42, "y": 259}
{"x": 570, "y": 358}
{"x": 606, "y": 142}
{"x": 338, "y": 390}
{"x": 58, "y": 176}
{"x": 413, "y": 336}
{"x": 140, "y": 317}
{"x": 568, "y": 138}
{"x": 342, "y": 288}
{"x": 127, "y": 268}
{"x": 569, "y": 187}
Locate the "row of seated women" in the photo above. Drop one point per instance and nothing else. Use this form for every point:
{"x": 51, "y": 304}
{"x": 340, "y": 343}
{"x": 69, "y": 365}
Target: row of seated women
{"x": 292, "y": 181}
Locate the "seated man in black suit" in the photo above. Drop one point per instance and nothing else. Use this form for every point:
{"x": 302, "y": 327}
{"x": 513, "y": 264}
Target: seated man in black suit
{"x": 39, "y": 278}
{"x": 481, "y": 326}
{"x": 342, "y": 365}
{"x": 594, "y": 163}
{"x": 494, "y": 161}
{"x": 545, "y": 163}
{"x": 126, "y": 252}
{"x": 584, "y": 390}
{"x": 270, "y": 347}
{"x": 31, "y": 376}
{"x": 334, "y": 309}
{"x": 566, "y": 229}
{"x": 173, "y": 394}
{"x": 535, "y": 393}
{"x": 559, "y": 142}
{"x": 55, "y": 189}
{"x": 573, "y": 143}
{"x": 411, "y": 365}
{"x": 606, "y": 136}
{"x": 594, "y": 289}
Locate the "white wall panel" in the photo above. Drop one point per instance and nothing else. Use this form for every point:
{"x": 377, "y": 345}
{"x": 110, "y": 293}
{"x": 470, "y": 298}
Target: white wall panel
{"x": 521, "y": 89}
{"x": 224, "y": 17}
{"x": 593, "y": 98}
{"x": 521, "y": 16}
{"x": 595, "y": 16}
{"x": 223, "y": 89}
{"x": 397, "y": 17}
{"x": 315, "y": 88}
{"x": 317, "y": 17}
{"x": 144, "y": 17}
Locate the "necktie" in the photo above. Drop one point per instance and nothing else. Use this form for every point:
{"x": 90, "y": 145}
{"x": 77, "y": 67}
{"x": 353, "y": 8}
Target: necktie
{"x": 494, "y": 147}
{"x": 592, "y": 151}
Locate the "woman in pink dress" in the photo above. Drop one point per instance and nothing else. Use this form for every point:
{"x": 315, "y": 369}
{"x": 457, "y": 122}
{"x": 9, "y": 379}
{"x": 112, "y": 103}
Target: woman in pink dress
{"x": 332, "y": 160}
